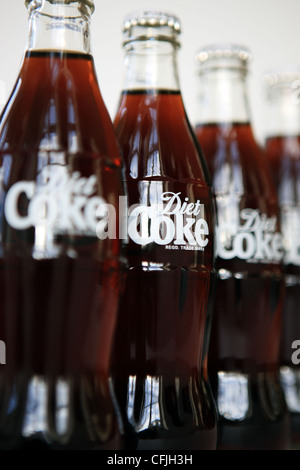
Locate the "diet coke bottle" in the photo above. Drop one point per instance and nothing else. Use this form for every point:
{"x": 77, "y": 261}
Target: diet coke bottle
{"x": 282, "y": 146}
{"x": 244, "y": 350}
{"x": 160, "y": 355}
{"x": 60, "y": 274}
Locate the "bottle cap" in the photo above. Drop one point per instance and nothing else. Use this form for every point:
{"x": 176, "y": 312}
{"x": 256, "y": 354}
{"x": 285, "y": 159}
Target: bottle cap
{"x": 38, "y": 3}
{"x": 151, "y": 24}
{"x": 282, "y": 77}
{"x": 224, "y": 56}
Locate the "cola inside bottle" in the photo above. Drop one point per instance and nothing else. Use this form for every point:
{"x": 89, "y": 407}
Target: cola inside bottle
{"x": 59, "y": 277}
{"x": 160, "y": 355}
{"x": 246, "y": 329}
{"x": 282, "y": 146}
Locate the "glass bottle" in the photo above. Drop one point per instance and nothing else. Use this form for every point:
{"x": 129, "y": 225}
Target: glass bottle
{"x": 246, "y": 328}
{"x": 159, "y": 367}
{"x": 60, "y": 273}
{"x": 282, "y": 146}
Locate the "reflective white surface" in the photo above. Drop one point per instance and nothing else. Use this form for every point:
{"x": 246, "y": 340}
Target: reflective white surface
{"x": 269, "y": 28}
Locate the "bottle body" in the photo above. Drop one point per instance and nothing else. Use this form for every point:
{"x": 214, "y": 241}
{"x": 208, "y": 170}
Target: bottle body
{"x": 160, "y": 375}
{"x": 244, "y": 349}
{"x": 282, "y": 147}
{"x": 60, "y": 277}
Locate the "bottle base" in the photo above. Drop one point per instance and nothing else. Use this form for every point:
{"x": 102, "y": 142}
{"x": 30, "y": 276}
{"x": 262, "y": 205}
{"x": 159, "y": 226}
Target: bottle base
{"x": 62, "y": 413}
{"x": 252, "y": 411}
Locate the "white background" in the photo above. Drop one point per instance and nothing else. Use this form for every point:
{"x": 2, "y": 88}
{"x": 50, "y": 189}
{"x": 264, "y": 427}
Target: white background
{"x": 270, "y": 28}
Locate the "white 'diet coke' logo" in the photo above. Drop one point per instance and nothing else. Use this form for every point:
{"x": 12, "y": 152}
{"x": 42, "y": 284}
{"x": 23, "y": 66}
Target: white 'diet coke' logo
{"x": 254, "y": 239}
{"x": 68, "y": 203}
{"x": 169, "y": 222}
{"x": 58, "y": 200}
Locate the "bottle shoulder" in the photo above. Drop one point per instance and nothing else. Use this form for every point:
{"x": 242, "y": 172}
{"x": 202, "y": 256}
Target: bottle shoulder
{"x": 156, "y": 138}
{"x": 237, "y": 163}
{"x": 283, "y": 154}
{"x": 56, "y": 103}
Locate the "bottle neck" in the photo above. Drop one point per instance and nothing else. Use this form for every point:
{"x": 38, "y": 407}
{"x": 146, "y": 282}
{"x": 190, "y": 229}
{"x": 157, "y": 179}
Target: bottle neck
{"x": 59, "y": 26}
{"x": 222, "y": 97}
{"x": 283, "y": 112}
{"x": 151, "y": 65}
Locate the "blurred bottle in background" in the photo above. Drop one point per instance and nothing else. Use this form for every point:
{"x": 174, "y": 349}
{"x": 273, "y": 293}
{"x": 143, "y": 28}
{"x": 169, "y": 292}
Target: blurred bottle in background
{"x": 160, "y": 355}
{"x": 244, "y": 350}
{"x": 282, "y": 146}
{"x": 60, "y": 275}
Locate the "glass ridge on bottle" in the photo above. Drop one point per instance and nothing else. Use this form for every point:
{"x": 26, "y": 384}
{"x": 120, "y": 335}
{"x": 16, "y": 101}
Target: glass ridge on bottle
{"x": 243, "y": 359}
{"x": 159, "y": 371}
{"x": 59, "y": 282}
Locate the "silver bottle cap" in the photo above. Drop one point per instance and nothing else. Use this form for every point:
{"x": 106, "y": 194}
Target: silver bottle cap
{"x": 224, "y": 56}
{"x": 282, "y": 77}
{"x": 38, "y": 3}
{"x": 151, "y": 24}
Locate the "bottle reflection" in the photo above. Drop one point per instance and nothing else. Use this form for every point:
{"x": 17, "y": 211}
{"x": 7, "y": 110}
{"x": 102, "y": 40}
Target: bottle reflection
{"x": 290, "y": 379}
{"x": 234, "y": 399}
{"x": 175, "y": 412}
{"x": 151, "y": 412}
{"x": 249, "y": 403}
{"x": 65, "y": 412}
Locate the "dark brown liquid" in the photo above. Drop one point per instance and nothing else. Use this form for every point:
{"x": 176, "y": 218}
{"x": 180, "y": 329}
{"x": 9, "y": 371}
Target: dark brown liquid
{"x": 284, "y": 156}
{"x": 160, "y": 355}
{"x": 59, "y": 285}
{"x": 244, "y": 350}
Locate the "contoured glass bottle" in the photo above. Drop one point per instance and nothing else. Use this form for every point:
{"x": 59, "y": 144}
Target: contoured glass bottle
{"x": 282, "y": 146}
{"x": 243, "y": 359}
{"x": 60, "y": 275}
{"x": 160, "y": 355}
